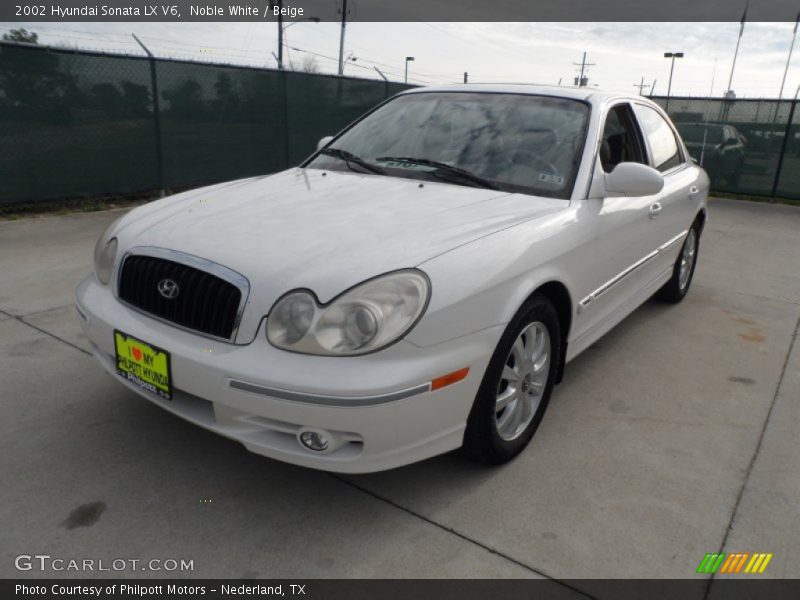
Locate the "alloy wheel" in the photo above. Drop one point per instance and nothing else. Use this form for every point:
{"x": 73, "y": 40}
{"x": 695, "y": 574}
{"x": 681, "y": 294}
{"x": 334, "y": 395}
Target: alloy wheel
{"x": 688, "y": 255}
{"x": 523, "y": 381}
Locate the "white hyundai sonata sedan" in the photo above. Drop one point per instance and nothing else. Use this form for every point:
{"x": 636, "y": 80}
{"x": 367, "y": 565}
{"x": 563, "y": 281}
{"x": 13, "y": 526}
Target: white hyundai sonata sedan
{"x": 415, "y": 286}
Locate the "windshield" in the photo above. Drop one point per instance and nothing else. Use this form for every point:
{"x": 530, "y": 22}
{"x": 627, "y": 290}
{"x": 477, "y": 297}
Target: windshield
{"x": 514, "y": 142}
{"x": 696, "y": 133}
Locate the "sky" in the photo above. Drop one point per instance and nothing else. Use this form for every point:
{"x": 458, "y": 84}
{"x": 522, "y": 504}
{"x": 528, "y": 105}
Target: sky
{"x": 623, "y": 53}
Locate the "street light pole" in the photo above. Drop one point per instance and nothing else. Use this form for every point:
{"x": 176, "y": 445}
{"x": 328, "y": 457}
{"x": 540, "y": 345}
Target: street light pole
{"x": 408, "y": 60}
{"x": 673, "y": 56}
{"x": 350, "y": 57}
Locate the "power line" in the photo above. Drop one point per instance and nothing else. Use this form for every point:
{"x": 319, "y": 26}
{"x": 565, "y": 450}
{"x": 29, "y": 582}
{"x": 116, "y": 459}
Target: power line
{"x": 325, "y": 56}
{"x": 359, "y": 47}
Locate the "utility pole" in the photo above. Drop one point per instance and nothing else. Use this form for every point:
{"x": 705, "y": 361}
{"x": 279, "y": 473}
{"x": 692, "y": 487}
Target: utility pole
{"x": 279, "y": 5}
{"x": 466, "y": 76}
{"x": 653, "y": 88}
{"x": 641, "y": 85}
{"x": 341, "y": 38}
{"x": 280, "y": 34}
{"x": 581, "y": 80}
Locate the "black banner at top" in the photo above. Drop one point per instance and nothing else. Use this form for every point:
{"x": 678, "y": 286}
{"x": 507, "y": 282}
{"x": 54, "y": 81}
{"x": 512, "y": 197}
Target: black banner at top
{"x": 399, "y": 10}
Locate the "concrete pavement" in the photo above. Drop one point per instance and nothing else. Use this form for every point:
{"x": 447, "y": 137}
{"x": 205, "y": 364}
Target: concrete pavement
{"x": 672, "y": 437}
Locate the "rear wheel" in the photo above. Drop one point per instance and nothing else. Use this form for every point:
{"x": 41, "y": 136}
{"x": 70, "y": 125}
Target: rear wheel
{"x": 517, "y": 385}
{"x": 682, "y": 273}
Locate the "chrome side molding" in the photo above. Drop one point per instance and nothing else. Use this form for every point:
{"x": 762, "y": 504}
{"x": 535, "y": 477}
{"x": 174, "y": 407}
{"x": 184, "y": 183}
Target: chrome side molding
{"x": 340, "y": 401}
{"x": 622, "y": 275}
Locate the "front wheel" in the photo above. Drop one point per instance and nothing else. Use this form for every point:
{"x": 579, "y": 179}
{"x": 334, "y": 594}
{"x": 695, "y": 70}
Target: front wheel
{"x": 517, "y": 384}
{"x": 683, "y": 271}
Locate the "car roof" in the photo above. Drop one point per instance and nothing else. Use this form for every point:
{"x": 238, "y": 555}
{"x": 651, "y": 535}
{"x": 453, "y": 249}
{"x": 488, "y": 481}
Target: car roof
{"x": 593, "y": 95}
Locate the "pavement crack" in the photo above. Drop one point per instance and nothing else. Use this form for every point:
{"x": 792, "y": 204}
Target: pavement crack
{"x": 756, "y": 452}
{"x": 41, "y": 312}
{"x": 52, "y": 335}
{"x": 461, "y": 536}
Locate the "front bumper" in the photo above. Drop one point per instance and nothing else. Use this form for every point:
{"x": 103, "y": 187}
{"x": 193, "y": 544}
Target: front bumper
{"x": 378, "y": 409}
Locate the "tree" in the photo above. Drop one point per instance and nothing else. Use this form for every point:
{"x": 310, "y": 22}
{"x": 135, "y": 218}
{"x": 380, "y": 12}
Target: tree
{"x": 21, "y": 35}
{"x": 310, "y": 65}
{"x": 227, "y": 100}
{"x": 36, "y": 83}
{"x": 186, "y": 100}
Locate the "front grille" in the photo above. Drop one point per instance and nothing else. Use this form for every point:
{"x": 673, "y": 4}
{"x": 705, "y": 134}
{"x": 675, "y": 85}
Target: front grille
{"x": 204, "y": 302}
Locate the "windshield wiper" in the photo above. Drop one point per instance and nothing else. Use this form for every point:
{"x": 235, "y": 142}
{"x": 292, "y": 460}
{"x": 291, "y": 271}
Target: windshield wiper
{"x": 443, "y": 170}
{"x": 351, "y": 159}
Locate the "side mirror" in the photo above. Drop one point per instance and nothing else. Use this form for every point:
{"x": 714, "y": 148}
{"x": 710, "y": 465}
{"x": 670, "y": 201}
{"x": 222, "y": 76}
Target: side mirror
{"x": 324, "y": 142}
{"x": 634, "y": 179}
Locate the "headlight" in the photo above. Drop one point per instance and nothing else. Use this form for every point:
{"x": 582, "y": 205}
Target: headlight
{"x": 364, "y": 319}
{"x": 105, "y": 251}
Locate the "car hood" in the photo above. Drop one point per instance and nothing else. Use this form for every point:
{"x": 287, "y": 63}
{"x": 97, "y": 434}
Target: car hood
{"x": 325, "y": 231}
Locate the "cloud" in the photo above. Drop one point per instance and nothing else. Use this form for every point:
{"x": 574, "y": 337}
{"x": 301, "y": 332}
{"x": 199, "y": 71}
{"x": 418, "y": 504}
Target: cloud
{"x": 623, "y": 53}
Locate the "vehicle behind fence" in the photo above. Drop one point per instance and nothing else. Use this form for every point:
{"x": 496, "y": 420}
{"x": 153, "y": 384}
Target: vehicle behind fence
{"x": 748, "y": 147}
{"x": 83, "y": 124}
{"x": 75, "y": 123}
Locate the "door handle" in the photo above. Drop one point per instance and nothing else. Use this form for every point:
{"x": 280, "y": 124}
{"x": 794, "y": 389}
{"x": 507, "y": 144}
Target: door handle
{"x": 693, "y": 190}
{"x": 655, "y": 209}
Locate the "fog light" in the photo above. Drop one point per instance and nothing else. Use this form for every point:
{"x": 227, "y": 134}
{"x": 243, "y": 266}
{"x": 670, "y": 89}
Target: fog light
{"x": 314, "y": 440}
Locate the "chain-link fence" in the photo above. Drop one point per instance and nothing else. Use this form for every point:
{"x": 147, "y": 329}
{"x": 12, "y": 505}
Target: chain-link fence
{"x": 748, "y": 147}
{"x": 82, "y": 124}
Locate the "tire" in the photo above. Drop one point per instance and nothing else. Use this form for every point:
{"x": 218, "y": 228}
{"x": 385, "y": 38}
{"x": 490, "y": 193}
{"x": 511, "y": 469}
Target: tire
{"x": 492, "y": 436}
{"x": 678, "y": 285}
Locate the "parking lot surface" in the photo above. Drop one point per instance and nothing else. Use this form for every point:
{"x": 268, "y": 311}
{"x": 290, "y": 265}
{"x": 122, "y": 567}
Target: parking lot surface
{"x": 675, "y": 435}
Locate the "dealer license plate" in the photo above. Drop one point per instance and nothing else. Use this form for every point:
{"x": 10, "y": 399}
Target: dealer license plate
{"x": 143, "y": 365}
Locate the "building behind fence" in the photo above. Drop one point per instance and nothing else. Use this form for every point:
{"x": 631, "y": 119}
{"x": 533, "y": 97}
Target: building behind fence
{"x": 75, "y": 123}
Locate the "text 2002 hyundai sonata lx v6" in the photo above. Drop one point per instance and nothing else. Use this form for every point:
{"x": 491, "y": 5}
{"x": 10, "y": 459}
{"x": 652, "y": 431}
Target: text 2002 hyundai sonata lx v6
{"x": 417, "y": 285}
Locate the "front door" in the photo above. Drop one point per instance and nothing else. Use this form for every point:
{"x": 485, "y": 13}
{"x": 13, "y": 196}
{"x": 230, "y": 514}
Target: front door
{"x": 627, "y": 231}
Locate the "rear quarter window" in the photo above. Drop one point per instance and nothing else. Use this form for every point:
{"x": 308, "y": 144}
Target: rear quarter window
{"x": 664, "y": 150}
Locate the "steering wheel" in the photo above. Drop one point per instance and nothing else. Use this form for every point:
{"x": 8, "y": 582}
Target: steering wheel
{"x": 538, "y": 159}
